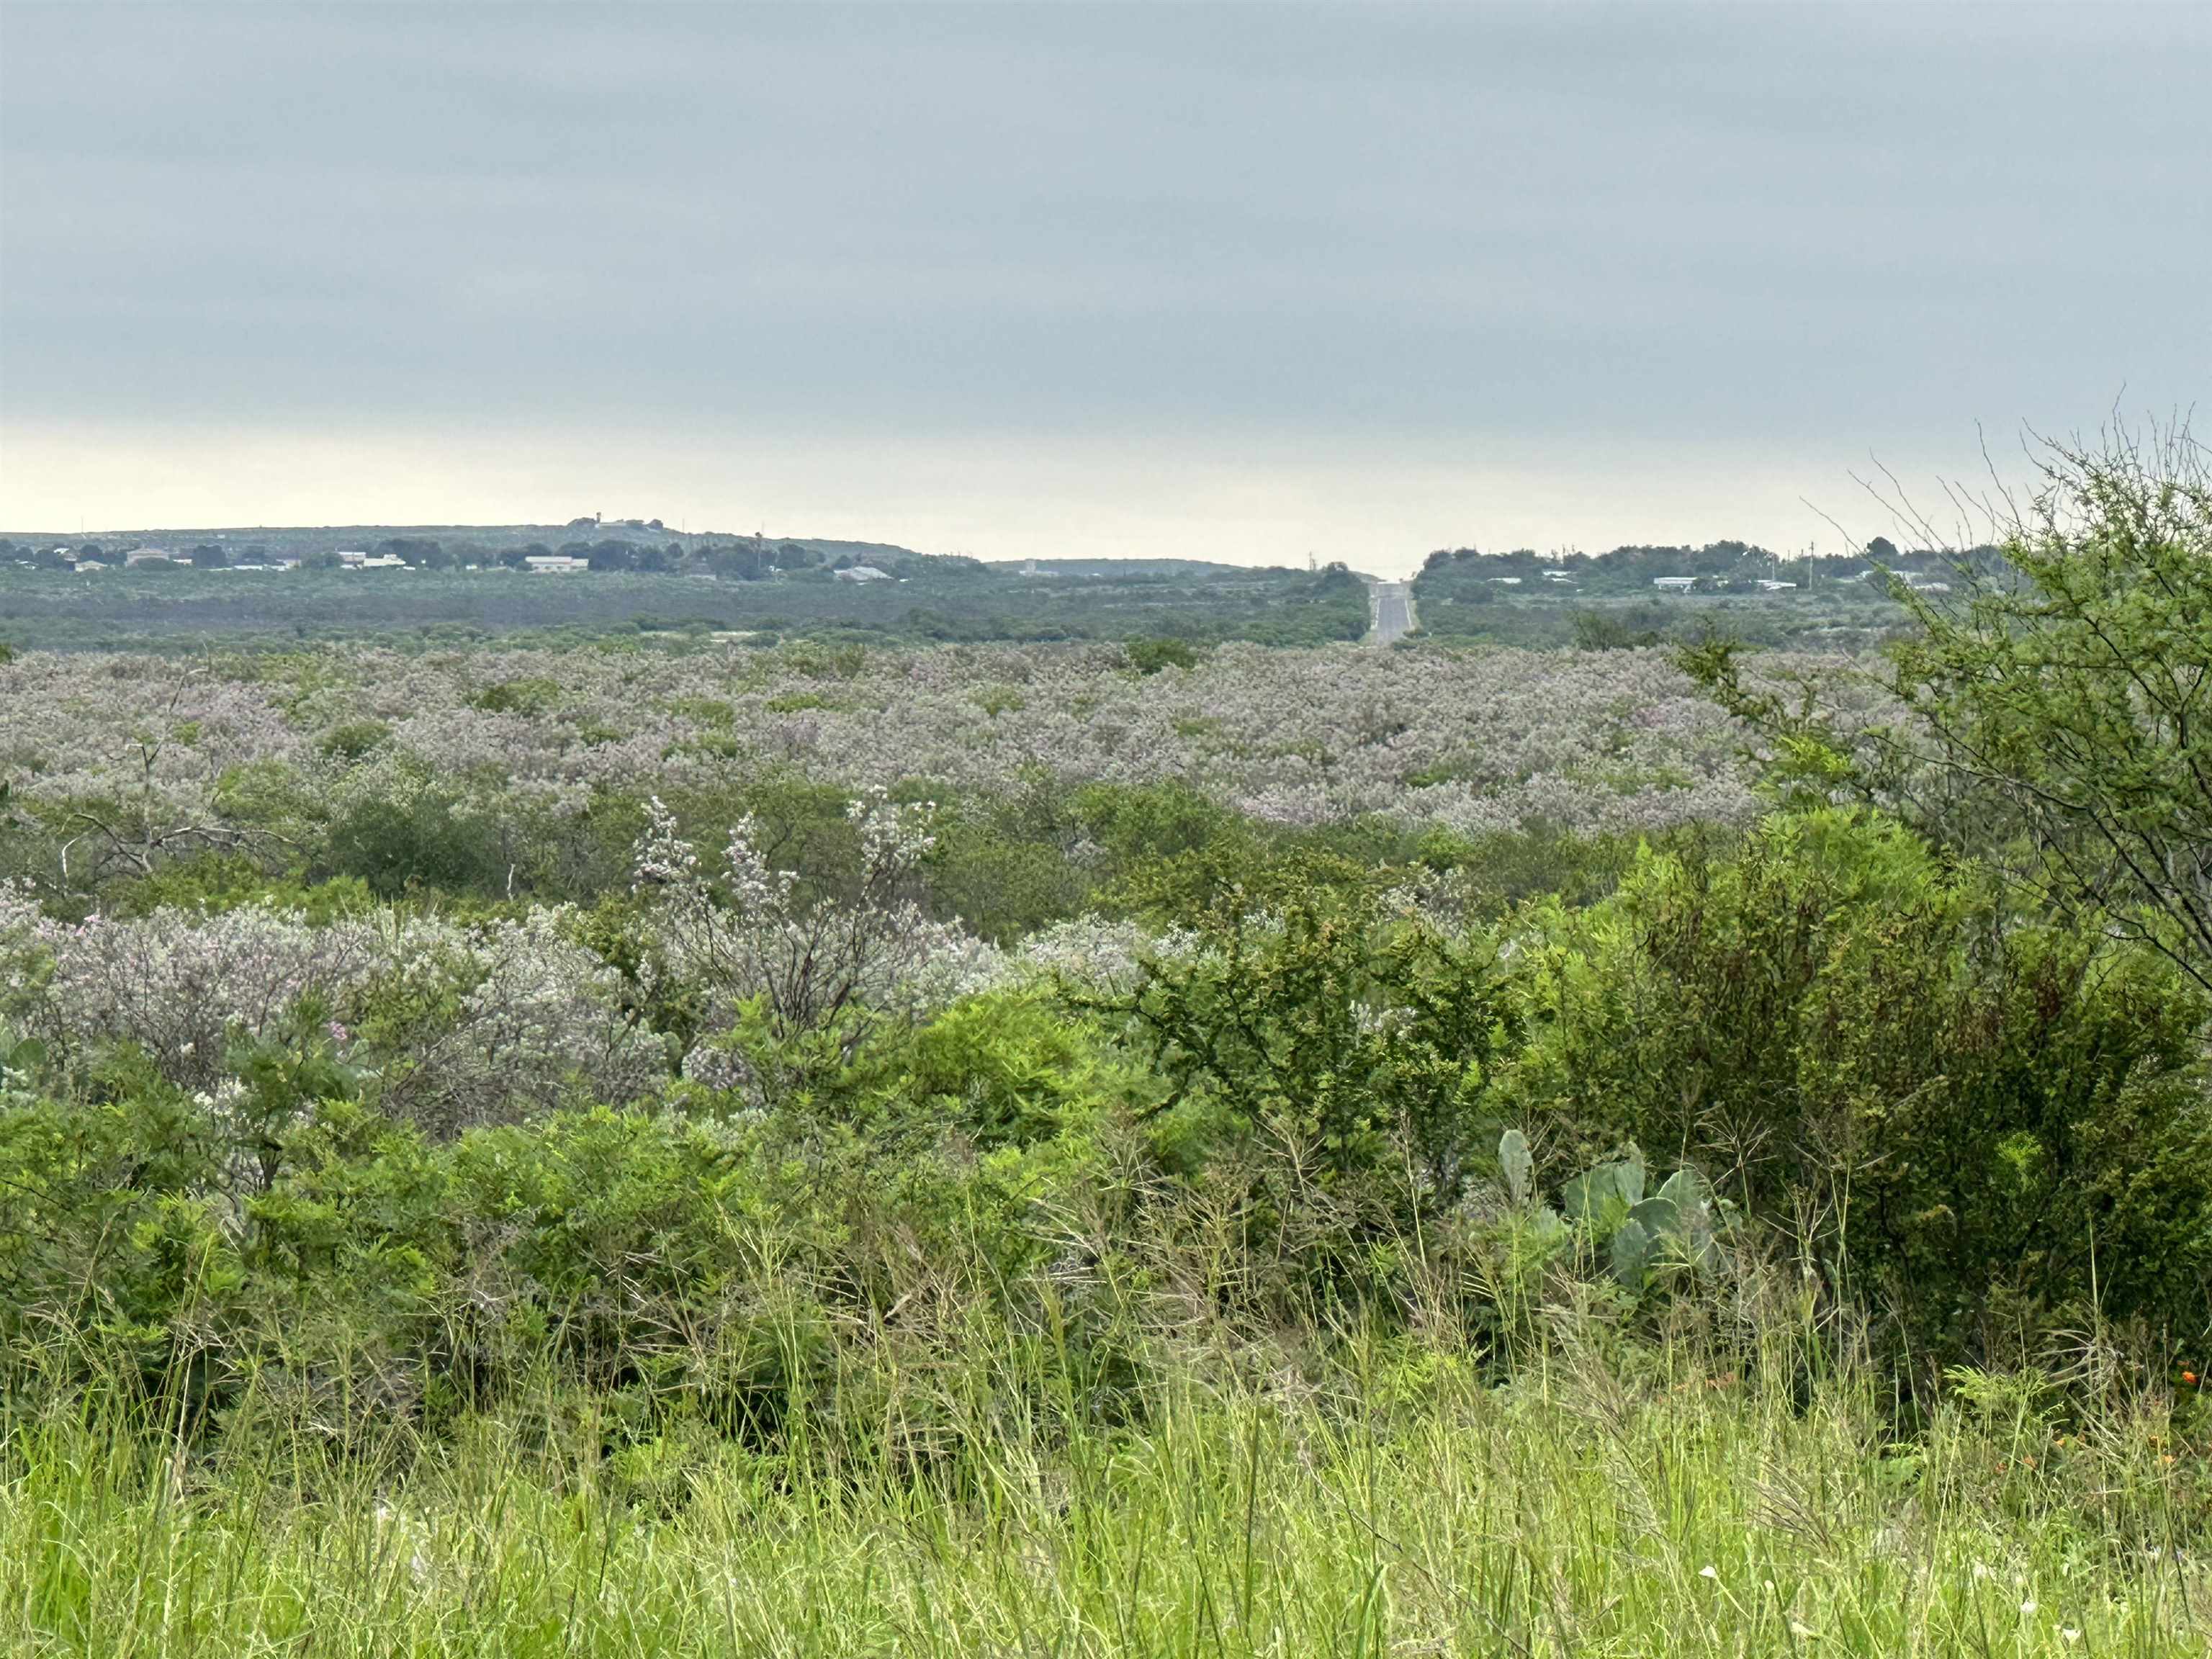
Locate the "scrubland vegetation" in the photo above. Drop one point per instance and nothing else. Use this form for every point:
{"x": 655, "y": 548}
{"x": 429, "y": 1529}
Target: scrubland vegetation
{"x": 1070, "y": 1149}
{"x": 172, "y": 606}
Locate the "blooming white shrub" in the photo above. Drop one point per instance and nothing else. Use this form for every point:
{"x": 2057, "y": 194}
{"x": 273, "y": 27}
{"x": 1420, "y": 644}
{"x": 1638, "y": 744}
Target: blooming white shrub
{"x": 1095, "y": 954}
{"x": 177, "y": 983}
{"x": 451, "y": 1026}
{"x": 748, "y": 932}
{"x": 526, "y": 1017}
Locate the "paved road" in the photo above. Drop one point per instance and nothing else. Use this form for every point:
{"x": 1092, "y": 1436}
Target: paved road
{"x": 1391, "y": 611}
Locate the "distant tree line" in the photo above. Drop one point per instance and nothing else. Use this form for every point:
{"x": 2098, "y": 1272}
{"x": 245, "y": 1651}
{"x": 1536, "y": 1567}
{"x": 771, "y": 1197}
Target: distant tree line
{"x": 1467, "y": 576}
{"x": 767, "y": 588}
{"x": 741, "y": 559}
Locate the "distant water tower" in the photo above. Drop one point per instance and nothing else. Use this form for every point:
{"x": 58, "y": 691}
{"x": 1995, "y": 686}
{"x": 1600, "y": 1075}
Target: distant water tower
{"x": 1029, "y": 567}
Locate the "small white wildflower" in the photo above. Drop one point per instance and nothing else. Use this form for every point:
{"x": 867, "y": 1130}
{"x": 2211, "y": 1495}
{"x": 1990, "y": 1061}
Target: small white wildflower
{"x": 1981, "y": 1570}
{"x": 2027, "y": 1606}
{"x": 1712, "y": 1572}
{"x": 2070, "y": 1635}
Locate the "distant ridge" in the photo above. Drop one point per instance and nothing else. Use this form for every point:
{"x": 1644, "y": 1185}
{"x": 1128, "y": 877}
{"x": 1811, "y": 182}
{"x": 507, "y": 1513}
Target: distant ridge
{"x": 315, "y": 538}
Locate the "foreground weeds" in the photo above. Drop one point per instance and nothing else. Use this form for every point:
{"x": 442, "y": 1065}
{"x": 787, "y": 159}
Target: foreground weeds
{"x": 1412, "y": 1510}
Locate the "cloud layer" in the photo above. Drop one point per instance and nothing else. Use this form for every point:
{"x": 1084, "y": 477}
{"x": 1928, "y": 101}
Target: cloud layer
{"x": 1564, "y": 268}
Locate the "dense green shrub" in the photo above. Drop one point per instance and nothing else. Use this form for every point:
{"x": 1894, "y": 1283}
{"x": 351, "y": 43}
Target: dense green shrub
{"x": 1988, "y": 1118}
{"x": 287, "y": 1236}
{"x": 1629, "y": 630}
{"x": 1150, "y": 656}
{"x": 351, "y": 740}
{"x": 1326, "y": 1069}
{"x": 532, "y": 695}
{"x": 424, "y": 837}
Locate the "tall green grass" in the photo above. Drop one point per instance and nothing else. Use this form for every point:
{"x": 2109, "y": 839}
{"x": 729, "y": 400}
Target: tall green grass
{"x": 1604, "y": 1503}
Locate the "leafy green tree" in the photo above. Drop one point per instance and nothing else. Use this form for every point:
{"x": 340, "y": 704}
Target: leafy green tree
{"x": 2056, "y": 708}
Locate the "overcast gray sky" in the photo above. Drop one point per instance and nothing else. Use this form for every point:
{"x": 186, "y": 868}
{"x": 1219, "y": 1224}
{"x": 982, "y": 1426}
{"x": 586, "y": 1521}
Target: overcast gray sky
{"x": 1234, "y": 281}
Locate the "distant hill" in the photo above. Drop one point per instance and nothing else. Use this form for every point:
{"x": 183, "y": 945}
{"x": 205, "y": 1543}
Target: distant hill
{"x": 248, "y": 584}
{"x": 299, "y": 540}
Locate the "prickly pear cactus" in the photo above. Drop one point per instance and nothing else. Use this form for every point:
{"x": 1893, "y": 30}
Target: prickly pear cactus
{"x": 1603, "y": 1199}
{"x": 1632, "y": 1254}
{"x": 1520, "y": 1168}
{"x": 1608, "y": 1211}
{"x": 1674, "y": 1228}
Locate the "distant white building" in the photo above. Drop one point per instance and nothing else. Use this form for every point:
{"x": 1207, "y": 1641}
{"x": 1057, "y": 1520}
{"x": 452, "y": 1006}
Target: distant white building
{"x": 1504, "y": 581}
{"x": 1674, "y": 584}
{"x": 863, "y": 573}
{"x": 554, "y": 564}
{"x": 383, "y": 561}
{"x": 352, "y": 558}
{"x": 1768, "y": 584}
{"x": 149, "y": 556}
{"x": 1920, "y": 584}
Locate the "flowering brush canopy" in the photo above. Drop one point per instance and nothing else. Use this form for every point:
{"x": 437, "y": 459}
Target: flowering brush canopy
{"x": 117, "y": 764}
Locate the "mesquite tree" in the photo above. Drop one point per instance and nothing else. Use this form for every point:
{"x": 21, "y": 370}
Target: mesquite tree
{"x": 2055, "y": 710}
